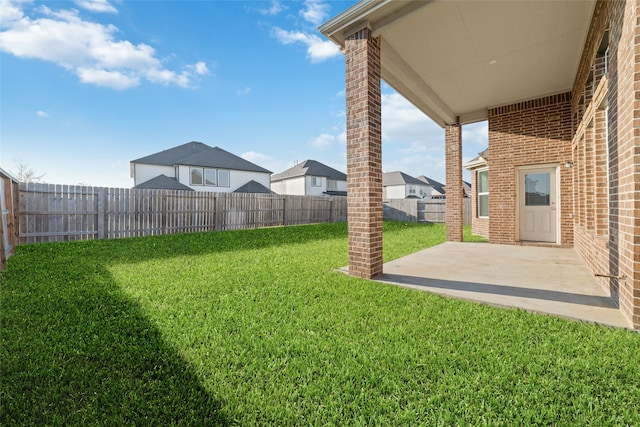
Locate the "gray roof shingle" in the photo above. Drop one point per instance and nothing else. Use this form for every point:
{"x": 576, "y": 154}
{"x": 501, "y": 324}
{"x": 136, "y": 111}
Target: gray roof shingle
{"x": 162, "y": 182}
{"x": 310, "y": 168}
{"x": 198, "y": 154}
{"x": 439, "y": 187}
{"x": 399, "y": 178}
{"x": 253, "y": 187}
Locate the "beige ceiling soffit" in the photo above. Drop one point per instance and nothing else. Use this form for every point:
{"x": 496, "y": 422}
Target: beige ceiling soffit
{"x": 396, "y": 66}
{"x": 474, "y": 116}
{"x": 398, "y": 15}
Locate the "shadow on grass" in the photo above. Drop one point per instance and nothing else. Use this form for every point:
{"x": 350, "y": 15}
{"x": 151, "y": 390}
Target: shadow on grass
{"x": 75, "y": 351}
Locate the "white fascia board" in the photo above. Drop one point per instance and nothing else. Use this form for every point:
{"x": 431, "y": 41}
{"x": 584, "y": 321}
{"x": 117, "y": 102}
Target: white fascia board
{"x": 336, "y": 27}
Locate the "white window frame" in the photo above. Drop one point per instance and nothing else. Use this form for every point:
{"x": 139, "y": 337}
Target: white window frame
{"x": 483, "y": 193}
{"x": 191, "y": 171}
{"x": 216, "y": 174}
{"x": 332, "y": 185}
{"x": 210, "y": 174}
{"x": 224, "y": 182}
{"x": 316, "y": 181}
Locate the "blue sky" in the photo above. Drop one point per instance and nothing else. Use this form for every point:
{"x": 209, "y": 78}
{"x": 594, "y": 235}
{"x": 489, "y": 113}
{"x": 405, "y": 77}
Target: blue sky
{"x": 88, "y": 85}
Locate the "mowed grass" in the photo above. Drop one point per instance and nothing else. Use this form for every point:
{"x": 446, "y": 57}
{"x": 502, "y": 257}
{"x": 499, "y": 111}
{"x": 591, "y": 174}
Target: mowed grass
{"x": 256, "y": 327}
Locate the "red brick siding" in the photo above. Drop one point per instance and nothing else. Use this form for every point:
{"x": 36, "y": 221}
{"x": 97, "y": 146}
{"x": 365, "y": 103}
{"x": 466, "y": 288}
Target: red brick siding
{"x": 364, "y": 154}
{"x": 610, "y": 243}
{"x": 453, "y": 152}
{"x": 533, "y": 132}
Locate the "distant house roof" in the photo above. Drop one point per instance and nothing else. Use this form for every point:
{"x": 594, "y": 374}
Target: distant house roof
{"x": 466, "y": 186}
{"x": 437, "y": 186}
{"x": 399, "y": 178}
{"x": 310, "y": 168}
{"x": 253, "y": 187}
{"x": 480, "y": 161}
{"x": 198, "y": 154}
{"x": 162, "y": 182}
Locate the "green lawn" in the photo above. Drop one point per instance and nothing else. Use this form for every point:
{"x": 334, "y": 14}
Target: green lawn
{"x": 255, "y": 327}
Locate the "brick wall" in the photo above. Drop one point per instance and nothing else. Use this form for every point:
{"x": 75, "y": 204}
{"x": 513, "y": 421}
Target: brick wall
{"x": 528, "y": 133}
{"x": 605, "y": 112}
{"x": 364, "y": 154}
{"x": 453, "y": 153}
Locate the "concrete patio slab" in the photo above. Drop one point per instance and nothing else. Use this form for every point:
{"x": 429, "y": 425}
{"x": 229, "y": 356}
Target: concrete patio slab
{"x": 539, "y": 279}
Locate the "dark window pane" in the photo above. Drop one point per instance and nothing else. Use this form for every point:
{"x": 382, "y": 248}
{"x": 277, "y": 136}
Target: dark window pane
{"x": 537, "y": 189}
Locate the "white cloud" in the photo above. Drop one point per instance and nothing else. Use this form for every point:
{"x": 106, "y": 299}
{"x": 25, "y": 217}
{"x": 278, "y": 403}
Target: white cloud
{"x": 112, "y": 79}
{"x": 41, "y": 113}
{"x": 315, "y": 11}
{"x": 88, "y": 49}
{"x": 243, "y": 92}
{"x": 254, "y": 156}
{"x": 275, "y": 8}
{"x": 476, "y": 136}
{"x": 200, "y": 68}
{"x": 317, "y": 49}
{"x": 10, "y": 12}
{"x": 323, "y": 141}
{"x": 404, "y": 123}
{"x": 96, "y": 6}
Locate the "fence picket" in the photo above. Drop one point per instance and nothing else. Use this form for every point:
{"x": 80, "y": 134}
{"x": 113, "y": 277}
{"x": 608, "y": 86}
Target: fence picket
{"x": 62, "y": 212}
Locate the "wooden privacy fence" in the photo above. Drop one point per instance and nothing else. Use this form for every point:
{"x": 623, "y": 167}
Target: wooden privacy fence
{"x": 50, "y": 213}
{"x": 8, "y": 216}
{"x": 420, "y": 210}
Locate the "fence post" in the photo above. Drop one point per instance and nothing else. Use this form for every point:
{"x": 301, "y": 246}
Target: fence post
{"x": 215, "y": 212}
{"x": 100, "y": 208}
{"x": 284, "y": 210}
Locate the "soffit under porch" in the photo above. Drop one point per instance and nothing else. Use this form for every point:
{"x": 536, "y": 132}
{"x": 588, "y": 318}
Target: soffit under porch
{"x": 457, "y": 58}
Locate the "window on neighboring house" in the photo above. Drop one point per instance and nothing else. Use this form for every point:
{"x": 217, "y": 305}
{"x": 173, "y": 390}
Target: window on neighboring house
{"x": 332, "y": 185}
{"x": 412, "y": 190}
{"x": 482, "y": 180}
{"x": 209, "y": 177}
{"x": 316, "y": 181}
{"x": 197, "y": 176}
{"x": 223, "y": 178}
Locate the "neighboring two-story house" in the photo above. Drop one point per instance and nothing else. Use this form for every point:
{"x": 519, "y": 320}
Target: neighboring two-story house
{"x": 437, "y": 188}
{"x": 197, "y": 166}
{"x": 399, "y": 185}
{"x": 310, "y": 178}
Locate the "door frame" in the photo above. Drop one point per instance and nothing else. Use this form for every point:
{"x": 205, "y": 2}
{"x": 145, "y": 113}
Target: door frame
{"x": 520, "y": 196}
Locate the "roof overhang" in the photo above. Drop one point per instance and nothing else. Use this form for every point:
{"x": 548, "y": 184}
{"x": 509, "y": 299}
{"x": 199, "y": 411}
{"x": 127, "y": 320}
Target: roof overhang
{"x": 455, "y": 59}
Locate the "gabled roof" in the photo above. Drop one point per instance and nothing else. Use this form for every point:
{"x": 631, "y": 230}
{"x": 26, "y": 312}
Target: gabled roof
{"x": 198, "y": 154}
{"x": 253, "y": 187}
{"x": 162, "y": 182}
{"x": 310, "y": 168}
{"x": 437, "y": 186}
{"x": 481, "y": 160}
{"x": 399, "y": 178}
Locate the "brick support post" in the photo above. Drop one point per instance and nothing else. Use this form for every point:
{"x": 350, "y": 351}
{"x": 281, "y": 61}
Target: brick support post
{"x": 364, "y": 154}
{"x": 455, "y": 194}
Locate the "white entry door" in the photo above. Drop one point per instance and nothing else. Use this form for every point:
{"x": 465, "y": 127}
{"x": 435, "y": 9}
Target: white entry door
{"x": 538, "y": 204}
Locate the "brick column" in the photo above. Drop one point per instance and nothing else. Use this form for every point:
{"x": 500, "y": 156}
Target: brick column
{"x": 455, "y": 193}
{"x": 364, "y": 154}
